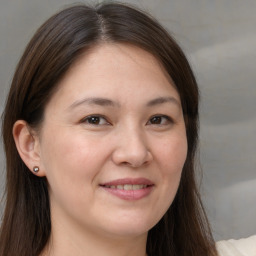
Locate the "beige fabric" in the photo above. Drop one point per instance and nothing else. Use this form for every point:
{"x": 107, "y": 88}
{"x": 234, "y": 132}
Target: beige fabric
{"x": 242, "y": 247}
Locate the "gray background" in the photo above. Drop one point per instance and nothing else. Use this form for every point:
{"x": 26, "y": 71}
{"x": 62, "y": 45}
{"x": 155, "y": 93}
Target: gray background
{"x": 219, "y": 39}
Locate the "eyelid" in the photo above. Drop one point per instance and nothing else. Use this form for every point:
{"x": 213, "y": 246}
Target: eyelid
{"x": 85, "y": 119}
{"x": 169, "y": 119}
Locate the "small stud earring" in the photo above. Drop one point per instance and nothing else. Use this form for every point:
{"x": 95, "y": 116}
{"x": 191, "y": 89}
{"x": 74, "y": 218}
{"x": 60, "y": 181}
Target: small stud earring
{"x": 36, "y": 169}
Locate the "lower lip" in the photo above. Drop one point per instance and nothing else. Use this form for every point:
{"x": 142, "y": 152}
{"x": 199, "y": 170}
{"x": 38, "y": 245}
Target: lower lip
{"x": 130, "y": 195}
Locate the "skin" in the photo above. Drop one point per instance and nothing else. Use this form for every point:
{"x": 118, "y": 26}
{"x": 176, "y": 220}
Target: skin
{"x": 138, "y": 132}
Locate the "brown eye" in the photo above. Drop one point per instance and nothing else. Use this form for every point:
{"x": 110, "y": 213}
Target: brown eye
{"x": 160, "y": 120}
{"x": 95, "y": 120}
{"x": 156, "y": 120}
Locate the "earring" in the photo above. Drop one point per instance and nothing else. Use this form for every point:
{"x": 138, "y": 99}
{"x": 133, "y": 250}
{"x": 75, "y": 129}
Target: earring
{"x": 36, "y": 169}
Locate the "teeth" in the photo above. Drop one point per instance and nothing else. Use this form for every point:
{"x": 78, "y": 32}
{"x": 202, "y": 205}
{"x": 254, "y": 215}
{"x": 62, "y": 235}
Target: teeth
{"x": 128, "y": 187}
{"x": 136, "y": 187}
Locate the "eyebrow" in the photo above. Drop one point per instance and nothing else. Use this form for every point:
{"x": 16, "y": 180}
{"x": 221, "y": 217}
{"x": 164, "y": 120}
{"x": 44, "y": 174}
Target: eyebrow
{"x": 94, "y": 101}
{"x": 107, "y": 102}
{"x": 162, "y": 100}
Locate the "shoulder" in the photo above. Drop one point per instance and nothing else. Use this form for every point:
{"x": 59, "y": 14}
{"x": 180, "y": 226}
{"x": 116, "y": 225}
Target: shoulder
{"x": 241, "y": 247}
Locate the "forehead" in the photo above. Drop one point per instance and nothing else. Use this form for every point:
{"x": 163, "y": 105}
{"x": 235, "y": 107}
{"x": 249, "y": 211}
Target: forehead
{"x": 116, "y": 70}
{"x": 106, "y": 56}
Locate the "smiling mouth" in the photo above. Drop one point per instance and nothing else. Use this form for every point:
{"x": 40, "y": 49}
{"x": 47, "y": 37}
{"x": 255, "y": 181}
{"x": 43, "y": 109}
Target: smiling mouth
{"x": 129, "y": 189}
{"x": 127, "y": 186}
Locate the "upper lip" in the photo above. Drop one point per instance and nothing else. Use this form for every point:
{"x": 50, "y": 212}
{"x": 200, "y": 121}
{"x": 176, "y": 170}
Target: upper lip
{"x": 131, "y": 181}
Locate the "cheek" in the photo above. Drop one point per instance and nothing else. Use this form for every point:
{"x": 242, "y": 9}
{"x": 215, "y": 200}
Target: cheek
{"x": 172, "y": 154}
{"x": 71, "y": 167}
{"x": 71, "y": 158}
{"x": 172, "y": 157}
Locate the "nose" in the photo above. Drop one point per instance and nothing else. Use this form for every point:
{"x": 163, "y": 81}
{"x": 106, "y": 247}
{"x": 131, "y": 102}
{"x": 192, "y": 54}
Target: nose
{"x": 132, "y": 149}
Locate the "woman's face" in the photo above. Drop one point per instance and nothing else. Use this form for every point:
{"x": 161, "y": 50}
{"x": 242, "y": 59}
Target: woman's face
{"x": 113, "y": 143}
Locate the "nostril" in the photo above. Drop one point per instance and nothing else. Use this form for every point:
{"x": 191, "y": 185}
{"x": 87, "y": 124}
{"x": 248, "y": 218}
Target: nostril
{"x": 135, "y": 164}
{"x": 131, "y": 151}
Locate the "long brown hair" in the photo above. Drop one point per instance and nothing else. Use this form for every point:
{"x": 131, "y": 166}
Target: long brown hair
{"x": 58, "y": 43}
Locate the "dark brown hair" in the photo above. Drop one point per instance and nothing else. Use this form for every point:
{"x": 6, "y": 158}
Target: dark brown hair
{"x": 58, "y": 43}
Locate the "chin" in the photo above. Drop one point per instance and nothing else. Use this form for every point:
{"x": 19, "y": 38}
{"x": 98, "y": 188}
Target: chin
{"x": 131, "y": 227}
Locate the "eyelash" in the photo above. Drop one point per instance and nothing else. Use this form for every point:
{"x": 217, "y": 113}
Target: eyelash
{"x": 169, "y": 120}
{"x": 96, "y": 120}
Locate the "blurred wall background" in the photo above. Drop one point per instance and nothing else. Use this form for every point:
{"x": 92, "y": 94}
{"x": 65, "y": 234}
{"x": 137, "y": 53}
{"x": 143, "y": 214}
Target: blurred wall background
{"x": 219, "y": 38}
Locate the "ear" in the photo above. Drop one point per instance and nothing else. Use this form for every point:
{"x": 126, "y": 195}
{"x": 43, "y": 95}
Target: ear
{"x": 28, "y": 146}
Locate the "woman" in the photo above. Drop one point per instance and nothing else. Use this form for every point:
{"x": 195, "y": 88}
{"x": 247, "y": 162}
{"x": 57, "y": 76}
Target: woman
{"x": 100, "y": 134}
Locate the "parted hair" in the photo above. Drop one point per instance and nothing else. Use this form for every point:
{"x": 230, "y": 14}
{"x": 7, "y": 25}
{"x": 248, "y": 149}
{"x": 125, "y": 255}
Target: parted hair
{"x": 57, "y": 44}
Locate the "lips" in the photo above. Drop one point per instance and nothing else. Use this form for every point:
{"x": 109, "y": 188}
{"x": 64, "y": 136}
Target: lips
{"x": 128, "y": 186}
{"x": 129, "y": 189}
{"x": 130, "y": 181}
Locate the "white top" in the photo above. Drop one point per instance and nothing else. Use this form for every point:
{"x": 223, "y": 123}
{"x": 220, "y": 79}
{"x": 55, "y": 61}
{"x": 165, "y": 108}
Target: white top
{"x": 242, "y": 247}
